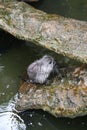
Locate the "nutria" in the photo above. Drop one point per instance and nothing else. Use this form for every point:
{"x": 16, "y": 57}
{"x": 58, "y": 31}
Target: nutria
{"x": 40, "y": 70}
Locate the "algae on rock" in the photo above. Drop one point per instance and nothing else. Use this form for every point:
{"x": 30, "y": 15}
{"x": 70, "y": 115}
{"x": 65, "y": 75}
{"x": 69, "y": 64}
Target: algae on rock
{"x": 62, "y": 35}
{"x": 65, "y": 96}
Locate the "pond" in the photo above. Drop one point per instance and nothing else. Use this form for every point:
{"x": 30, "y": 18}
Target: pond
{"x": 15, "y": 56}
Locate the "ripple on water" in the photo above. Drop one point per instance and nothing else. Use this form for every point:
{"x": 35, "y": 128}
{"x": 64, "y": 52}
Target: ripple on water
{"x": 9, "y": 120}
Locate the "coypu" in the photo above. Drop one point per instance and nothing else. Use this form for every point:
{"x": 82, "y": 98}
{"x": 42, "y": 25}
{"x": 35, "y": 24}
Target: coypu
{"x": 40, "y": 70}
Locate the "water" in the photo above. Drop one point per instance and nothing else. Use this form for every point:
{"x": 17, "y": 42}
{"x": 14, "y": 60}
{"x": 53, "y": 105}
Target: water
{"x": 15, "y": 55}
{"x": 69, "y": 8}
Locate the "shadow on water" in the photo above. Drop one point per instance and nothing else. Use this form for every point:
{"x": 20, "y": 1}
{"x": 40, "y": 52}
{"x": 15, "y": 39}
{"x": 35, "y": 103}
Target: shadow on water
{"x": 15, "y": 55}
{"x": 69, "y": 8}
{"x": 39, "y": 120}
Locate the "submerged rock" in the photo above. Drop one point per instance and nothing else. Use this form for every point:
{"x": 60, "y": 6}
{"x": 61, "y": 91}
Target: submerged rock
{"x": 65, "y": 96}
{"x": 62, "y": 35}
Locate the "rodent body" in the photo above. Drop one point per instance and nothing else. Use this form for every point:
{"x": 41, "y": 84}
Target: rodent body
{"x": 39, "y": 71}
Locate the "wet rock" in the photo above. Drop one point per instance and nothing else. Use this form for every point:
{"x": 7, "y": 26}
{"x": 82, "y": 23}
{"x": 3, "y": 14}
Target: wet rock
{"x": 65, "y": 96}
{"x": 62, "y": 35}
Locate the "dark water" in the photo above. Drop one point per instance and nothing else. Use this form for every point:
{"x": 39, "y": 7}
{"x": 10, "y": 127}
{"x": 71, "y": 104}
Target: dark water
{"x": 15, "y": 55}
{"x": 69, "y": 8}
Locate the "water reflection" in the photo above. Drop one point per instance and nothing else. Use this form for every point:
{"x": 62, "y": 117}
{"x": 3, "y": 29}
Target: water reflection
{"x": 10, "y": 120}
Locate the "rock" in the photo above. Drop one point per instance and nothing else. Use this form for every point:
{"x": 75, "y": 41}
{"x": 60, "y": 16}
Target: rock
{"x": 65, "y": 96}
{"x": 62, "y": 35}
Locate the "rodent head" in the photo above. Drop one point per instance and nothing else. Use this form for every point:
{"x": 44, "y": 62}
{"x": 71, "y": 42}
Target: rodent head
{"x": 48, "y": 63}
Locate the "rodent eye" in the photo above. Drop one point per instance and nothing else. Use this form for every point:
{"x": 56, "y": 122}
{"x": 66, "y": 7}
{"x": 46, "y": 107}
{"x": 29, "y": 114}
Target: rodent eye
{"x": 50, "y": 62}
